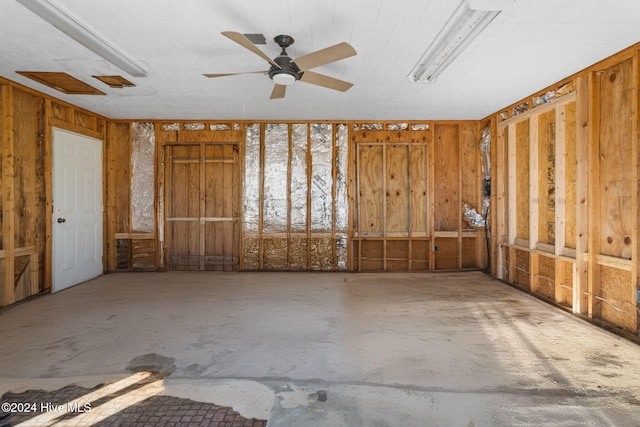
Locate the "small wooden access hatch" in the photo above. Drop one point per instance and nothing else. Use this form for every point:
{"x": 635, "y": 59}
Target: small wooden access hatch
{"x": 62, "y": 82}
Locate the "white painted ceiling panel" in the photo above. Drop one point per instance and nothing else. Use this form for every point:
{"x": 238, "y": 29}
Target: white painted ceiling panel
{"x": 533, "y": 44}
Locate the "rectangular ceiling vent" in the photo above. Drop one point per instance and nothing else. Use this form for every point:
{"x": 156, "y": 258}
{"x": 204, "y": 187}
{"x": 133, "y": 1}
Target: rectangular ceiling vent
{"x": 115, "y": 81}
{"x": 61, "y": 81}
{"x": 256, "y": 38}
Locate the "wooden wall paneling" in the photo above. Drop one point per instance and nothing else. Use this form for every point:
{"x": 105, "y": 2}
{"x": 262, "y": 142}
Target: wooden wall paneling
{"x": 615, "y": 186}
{"x": 446, "y": 257}
{"x": 370, "y": 190}
{"x": 545, "y": 280}
{"x": 61, "y": 112}
{"x": 29, "y": 190}
{"x": 533, "y": 190}
{"x": 564, "y": 286}
{"x": 7, "y": 294}
{"x": 614, "y": 298}
{"x": 470, "y": 192}
{"x": 583, "y": 173}
{"x": 546, "y": 180}
{"x": 419, "y": 200}
{"x": 616, "y": 161}
{"x": 118, "y": 192}
{"x": 521, "y": 260}
{"x": 397, "y": 189}
{"x": 446, "y": 177}
{"x": 419, "y": 248}
{"x": 523, "y": 182}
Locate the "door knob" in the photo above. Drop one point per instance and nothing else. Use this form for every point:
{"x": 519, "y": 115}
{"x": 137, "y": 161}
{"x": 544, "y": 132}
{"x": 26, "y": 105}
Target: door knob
{"x": 61, "y": 220}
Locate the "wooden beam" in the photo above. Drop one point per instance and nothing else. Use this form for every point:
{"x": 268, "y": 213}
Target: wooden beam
{"x": 159, "y": 162}
{"x": 289, "y": 155}
{"x": 512, "y": 220}
{"x": 499, "y": 199}
{"x": 594, "y": 304}
{"x": 48, "y": 183}
{"x": 261, "y": 199}
{"x": 583, "y": 93}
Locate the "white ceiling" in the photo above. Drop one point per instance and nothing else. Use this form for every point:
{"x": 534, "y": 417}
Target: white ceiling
{"x": 532, "y": 45}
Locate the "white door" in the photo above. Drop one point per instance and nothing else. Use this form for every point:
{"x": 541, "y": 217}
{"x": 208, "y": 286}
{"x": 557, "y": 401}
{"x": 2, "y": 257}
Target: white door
{"x": 77, "y": 208}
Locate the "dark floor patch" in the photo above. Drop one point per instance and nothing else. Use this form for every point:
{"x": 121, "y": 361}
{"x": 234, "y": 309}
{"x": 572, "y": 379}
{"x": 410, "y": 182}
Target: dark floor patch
{"x": 153, "y": 363}
{"x": 157, "y": 411}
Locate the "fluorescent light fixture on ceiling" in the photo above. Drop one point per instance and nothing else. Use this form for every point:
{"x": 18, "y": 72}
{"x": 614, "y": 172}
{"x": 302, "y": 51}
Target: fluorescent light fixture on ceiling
{"x": 71, "y": 26}
{"x": 468, "y": 20}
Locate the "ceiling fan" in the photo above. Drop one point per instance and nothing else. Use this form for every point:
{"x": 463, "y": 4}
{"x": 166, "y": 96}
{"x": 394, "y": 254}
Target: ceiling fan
{"x": 285, "y": 71}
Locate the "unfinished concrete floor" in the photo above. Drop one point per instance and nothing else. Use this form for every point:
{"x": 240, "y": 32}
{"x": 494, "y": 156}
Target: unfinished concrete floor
{"x": 329, "y": 349}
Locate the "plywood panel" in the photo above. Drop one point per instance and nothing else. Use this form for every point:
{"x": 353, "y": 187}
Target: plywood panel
{"x": 522, "y": 180}
{"x": 447, "y": 208}
{"x": 397, "y": 255}
{"x": 119, "y": 167}
{"x": 564, "y": 283}
{"x": 469, "y": 164}
{"x": 419, "y": 171}
{"x": 370, "y": 190}
{"x": 615, "y": 296}
{"x": 546, "y": 277}
{"x": 616, "y": 160}
{"x": 469, "y": 249}
{"x": 570, "y": 176}
{"x": 546, "y": 177}
{"x": 420, "y": 250}
{"x": 117, "y": 191}
{"x": 446, "y": 255}
{"x": 29, "y": 189}
{"x": 522, "y": 269}
{"x": 372, "y": 255}
{"x": 397, "y": 190}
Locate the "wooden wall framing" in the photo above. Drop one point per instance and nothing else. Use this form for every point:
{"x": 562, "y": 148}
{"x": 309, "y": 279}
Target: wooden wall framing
{"x": 566, "y": 193}
{"x": 408, "y": 190}
{"x": 26, "y": 119}
{"x": 564, "y": 212}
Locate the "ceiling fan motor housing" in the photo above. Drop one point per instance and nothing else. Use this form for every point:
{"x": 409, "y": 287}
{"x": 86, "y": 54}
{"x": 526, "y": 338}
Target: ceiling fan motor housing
{"x": 288, "y": 69}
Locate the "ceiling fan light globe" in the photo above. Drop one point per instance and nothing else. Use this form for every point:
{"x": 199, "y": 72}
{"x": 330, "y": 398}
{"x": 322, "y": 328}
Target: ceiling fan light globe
{"x": 283, "y": 79}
